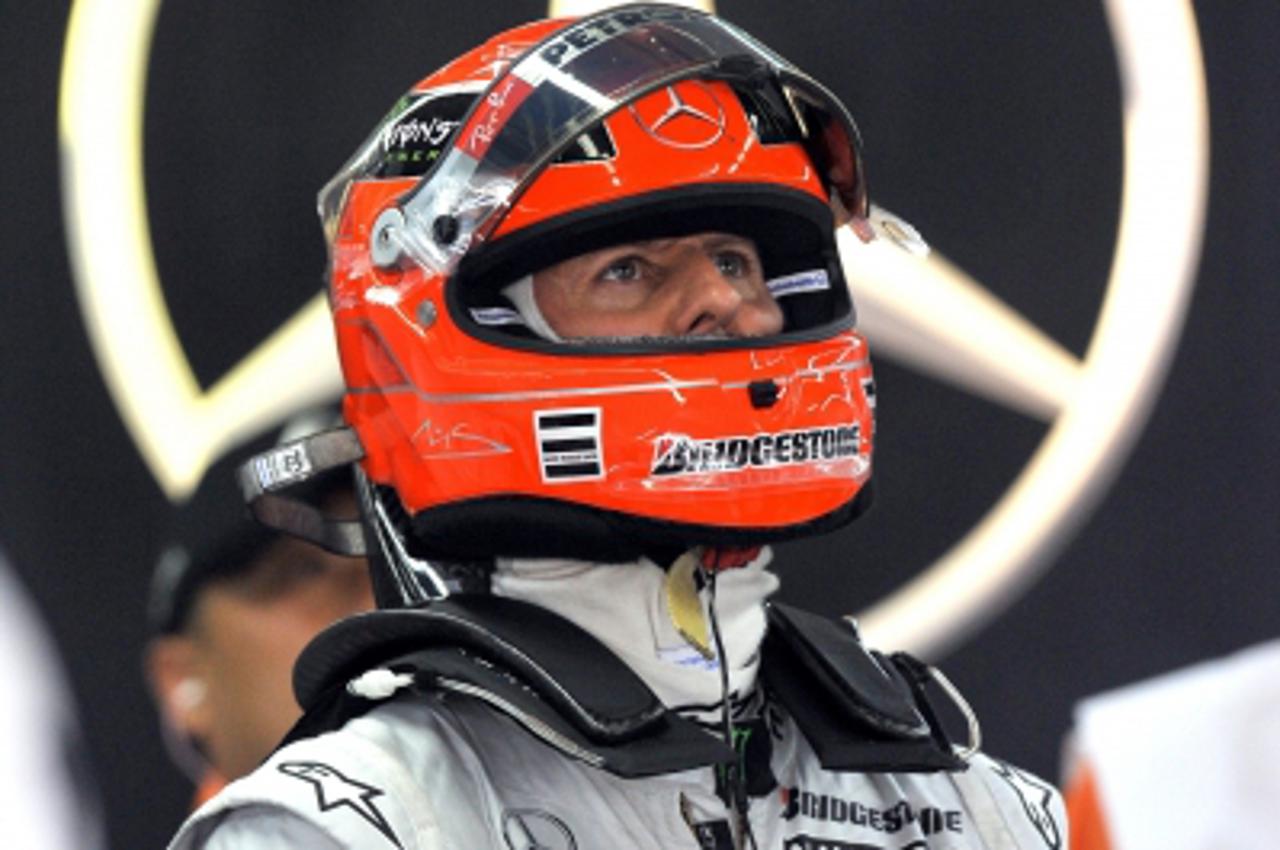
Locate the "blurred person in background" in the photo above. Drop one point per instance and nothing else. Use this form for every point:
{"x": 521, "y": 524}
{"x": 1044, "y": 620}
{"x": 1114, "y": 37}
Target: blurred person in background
{"x": 46, "y": 798}
{"x": 232, "y": 604}
{"x": 1187, "y": 760}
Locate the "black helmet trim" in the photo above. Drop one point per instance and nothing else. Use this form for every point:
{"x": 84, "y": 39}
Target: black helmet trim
{"x": 536, "y": 527}
{"x": 792, "y": 231}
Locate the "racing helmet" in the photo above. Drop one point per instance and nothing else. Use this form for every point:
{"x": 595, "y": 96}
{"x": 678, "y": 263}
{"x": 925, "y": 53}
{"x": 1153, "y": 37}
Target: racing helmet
{"x": 483, "y": 437}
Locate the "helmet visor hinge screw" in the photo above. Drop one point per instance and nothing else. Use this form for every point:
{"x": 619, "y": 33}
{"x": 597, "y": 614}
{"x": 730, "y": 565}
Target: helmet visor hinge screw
{"x": 445, "y": 229}
{"x": 426, "y": 314}
{"x": 384, "y": 246}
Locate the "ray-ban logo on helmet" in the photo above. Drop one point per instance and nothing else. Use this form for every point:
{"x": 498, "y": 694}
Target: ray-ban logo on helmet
{"x": 688, "y": 119}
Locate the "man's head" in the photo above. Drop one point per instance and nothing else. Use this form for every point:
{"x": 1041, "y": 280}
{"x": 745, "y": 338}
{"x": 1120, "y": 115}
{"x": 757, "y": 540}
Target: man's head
{"x": 232, "y": 606}
{"x": 588, "y": 300}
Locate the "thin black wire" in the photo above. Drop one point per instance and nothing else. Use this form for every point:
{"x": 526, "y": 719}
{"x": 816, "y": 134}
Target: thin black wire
{"x": 736, "y": 781}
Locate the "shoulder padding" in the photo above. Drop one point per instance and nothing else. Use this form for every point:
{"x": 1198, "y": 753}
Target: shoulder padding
{"x": 859, "y": 710}
{"x": 550, "y": 676}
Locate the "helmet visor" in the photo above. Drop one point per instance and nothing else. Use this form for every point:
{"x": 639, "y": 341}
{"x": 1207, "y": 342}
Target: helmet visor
{"x": 569, "y": 83}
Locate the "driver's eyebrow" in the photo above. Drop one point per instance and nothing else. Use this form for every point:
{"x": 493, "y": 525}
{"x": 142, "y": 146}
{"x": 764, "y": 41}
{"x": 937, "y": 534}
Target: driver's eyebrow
{"x": 728, "y": 240}
{"x": 657, "y": 245}
{"x": 624, "y": 249}
{"x": 708, "y": 242}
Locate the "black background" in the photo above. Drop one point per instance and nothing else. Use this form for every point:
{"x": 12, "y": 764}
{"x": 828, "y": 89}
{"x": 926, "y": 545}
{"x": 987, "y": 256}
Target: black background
{"x": 993, "y": 126}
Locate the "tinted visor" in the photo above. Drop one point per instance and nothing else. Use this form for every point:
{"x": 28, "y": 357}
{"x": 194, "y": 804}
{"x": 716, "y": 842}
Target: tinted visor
{"x": 563, "y": 87}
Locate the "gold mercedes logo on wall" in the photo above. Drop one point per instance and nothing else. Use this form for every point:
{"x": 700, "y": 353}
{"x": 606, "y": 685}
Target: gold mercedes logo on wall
{"x": 922, "y": 311}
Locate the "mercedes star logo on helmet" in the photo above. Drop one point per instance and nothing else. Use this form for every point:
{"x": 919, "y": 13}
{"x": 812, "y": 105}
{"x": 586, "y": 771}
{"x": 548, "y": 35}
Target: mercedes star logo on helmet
{"x": 693, "y": 118}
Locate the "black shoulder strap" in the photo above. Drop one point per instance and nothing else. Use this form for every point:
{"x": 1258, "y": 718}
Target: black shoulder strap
{"x": 554, "y": 679}
{"x": 859, "y": 710}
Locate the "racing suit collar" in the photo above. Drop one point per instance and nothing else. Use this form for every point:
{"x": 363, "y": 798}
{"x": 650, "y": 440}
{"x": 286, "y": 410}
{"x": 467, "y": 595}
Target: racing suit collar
{"x": 629, "y": 608}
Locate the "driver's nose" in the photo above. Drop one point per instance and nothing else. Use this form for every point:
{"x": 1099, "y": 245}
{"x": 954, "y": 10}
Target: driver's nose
{"x": 713, "y": 304}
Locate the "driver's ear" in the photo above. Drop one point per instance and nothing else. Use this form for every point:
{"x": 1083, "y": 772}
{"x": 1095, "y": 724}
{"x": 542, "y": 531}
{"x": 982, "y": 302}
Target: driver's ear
{"x": 178, "y": 685}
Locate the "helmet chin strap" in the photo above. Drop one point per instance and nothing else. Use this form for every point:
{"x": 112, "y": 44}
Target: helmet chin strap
{"x": 520, "y": 294}
{"x": 402, "y": 579}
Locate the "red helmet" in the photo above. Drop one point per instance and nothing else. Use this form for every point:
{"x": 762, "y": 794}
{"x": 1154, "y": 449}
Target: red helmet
{"x": 484, "y": 439}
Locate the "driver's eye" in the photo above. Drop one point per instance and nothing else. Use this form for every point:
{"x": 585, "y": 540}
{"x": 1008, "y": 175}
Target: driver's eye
{"x": 626, "y": 269}
{"x": 732, "y": 263}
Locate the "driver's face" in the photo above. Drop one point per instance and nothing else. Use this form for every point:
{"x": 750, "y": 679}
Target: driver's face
{"x": 707, "y": 284}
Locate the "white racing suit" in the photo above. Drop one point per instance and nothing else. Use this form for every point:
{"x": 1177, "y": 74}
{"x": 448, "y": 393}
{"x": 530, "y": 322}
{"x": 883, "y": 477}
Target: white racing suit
{"x": 453, "y": 775}
{"x": 440, "y": 768}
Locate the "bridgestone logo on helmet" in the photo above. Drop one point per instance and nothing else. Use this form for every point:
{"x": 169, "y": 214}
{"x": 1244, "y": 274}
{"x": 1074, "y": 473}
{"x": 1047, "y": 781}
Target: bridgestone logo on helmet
{"x": 675, "y": 454}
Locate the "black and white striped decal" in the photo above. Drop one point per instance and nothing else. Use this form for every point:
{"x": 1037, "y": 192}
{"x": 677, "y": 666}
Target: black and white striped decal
{"x": 569, "y": 444}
